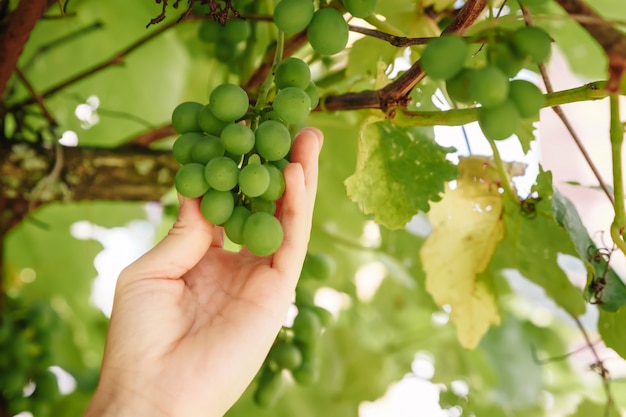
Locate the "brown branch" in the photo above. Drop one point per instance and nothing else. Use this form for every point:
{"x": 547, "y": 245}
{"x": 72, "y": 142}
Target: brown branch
{"x": 14, "y": 36}
{"x": 396, "y": 93}
{"x": 153, "y": 135}
{"x": 612, "y": 40}
{"x": 117, "y": 59}
{"x": 53, "y": 123}
{"x": 399, "y": 41}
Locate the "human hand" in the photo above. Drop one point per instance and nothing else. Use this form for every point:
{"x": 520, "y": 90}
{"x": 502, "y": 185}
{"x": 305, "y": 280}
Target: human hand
{"x": 191, "y": 322}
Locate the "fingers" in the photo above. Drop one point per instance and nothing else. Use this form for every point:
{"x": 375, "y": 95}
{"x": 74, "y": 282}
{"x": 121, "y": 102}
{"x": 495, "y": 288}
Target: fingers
{"x": 183, "y": 247}
{"x": 298, "y": 201}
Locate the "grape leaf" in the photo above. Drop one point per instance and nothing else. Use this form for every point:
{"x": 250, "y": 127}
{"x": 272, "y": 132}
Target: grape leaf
{"x": 612, "y": 329}
{"x": 467, "y": 228}
{"x": 533, "y": 242}
{"x": 399, "y": 170}
{"x": 612, "y": 295}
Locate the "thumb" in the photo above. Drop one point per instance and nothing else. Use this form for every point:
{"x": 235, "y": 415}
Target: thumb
{"x": 182, "y": 248}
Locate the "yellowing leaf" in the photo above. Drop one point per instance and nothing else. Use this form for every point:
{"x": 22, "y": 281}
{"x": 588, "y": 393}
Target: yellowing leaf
{"x": 466, "y": 229}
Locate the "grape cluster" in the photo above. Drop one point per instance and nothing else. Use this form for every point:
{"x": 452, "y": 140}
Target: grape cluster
{"x": 295, "y": 350}
{"x": 25, "y": 333}
{"x": 327, "y": 30}
{"x": 503, "y": 102}
{"x": 224, "y": 38}
{"x": 232, "y": 156}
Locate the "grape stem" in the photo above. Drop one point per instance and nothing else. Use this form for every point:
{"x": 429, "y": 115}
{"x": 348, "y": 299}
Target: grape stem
{"x": 617, "y": 139}
{"x": 267, "y": 84}
{"x": 504, "y": 177}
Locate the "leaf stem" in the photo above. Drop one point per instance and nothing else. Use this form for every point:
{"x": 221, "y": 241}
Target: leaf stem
{"x": 506, "y": 181}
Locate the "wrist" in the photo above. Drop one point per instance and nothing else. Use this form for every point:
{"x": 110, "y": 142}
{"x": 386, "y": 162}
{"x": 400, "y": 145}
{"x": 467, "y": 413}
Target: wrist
{"x": 116, "y": 401}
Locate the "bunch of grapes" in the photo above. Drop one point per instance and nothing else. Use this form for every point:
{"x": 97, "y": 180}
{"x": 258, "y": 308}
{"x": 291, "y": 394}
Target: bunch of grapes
{"x": 295, "y": 350}
{"x": 26, "y": 383}
{"x": 503, "y": 102}
{"x": 232, "y": 156}
{"x": 225, "y": 38}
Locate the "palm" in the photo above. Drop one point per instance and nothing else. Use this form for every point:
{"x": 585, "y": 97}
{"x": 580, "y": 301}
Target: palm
{"x": 193, "y": 322}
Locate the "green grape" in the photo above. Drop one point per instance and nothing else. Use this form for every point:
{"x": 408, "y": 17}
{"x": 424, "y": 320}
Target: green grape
{"x": 292, "y": 72}
{"x": 254, "y": 180}
{"x": 444, "y": 56}
{"x": 217, "y": 206}
{"x": 325, "y": 316}
{"x": 270, "y": 388}
{"x": 262, "y": 234}
{"x": 458, "y": 86}
{"x": 308, "y": 372}
{"x": 190, "y": 181}
{"x": 532, "y": 42}
{"x": 273, "y": 140}
{"x": 306, "y": 326}
{"x": 499, "y": 122}
{"x": 314, "y": 94}
{"x": 360, "y": 8}
{"x": 236, "y": 158}
{"x": 260, "y": 204}
{"x": 280, "y": 164}
{"x": 47, "y": 386}
{"x": 291, "y": 16}
{"x": 285, "y": 355}
{"x": 328, "y": 31}
{"x": 234, "y": 225}
{"x": 185, "y": 117}
{"x": 276, "y": 187}
{"x": 236, "y": 30}
{"x": 504, "y": 57}
{"x": 488, "y": 86}
{"x": 209, "y": 31}
{"x": 228, "y": 102}
{"x": 237, "y": 139}
{"x": 224, "y": 51}
{"x": 207, "y": 148}
{"x": 527, "y": 97}
{"x": 181, "y": 149}
{"x": 221, "y": 173}
{"x": 319, "y": 266}
{"x": 304, "y": 297}
{"x": 292, "y": 104}
{"x": 209, "y": 123}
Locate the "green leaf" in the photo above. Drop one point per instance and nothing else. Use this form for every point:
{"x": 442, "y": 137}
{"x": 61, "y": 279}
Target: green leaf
{"x": 399, "y": 171}
{"x": 365, "y": 54}
{"x": 612, "y": 328}
{"x": 467, "y": 228}
{"x": 532, "y": 244}
{"x": 612, "y": 294}
{"x": 589, "y": 408}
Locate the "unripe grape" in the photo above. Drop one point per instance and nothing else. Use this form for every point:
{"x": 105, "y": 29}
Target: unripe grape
{"x": 292, "y": 104}
{"x": 236, "y": 30}
{"x": 527, "y": 97}
{"x": 307, "y": 373}
{"x": 270, "y": 388}
{"x": 360, "y": 8}
{"x": 488, "y": 86}
{"x": 224, "y": 51}
{"x": 182, "y": 147}
{"x": 291, "y": 16}
{"x": 209, "y": 123}
{"x": 292, "y": 72}
{"x": 207, "y": 148}
{"x": 444, "y": 56}
{"x": 328, "y": 31}
{"x": 285, "y": 355}
{"x": 222, "y": 173}
{"x": 259, "y": 204}
{"x": 273, "y": 140}
{"x": 314, "y": 94}
{"x": 234, "y": 225}
{"x": 262, "y": 234}
{"x": 504, "y": 57}
{"x": 190, "y": 181}
{"x": 276, "y": 187}
{"x": 228, "y": 102}
{"x": 217, "y": 206}
{"x": 280, "y": 164}
{"x": 237, "y": 139}
{"x": 458, "y": 86}
{"x": 306, "y": 326}
{"x": 325, "y": 316}
{"x": 533, "y": 42}
{"x": 318, "y": 266}
{"x": 254, "y": 180}
{"x": 185, "y": 117}
{"x": 499, "y": 122}
{"x": 209, "y": 31}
